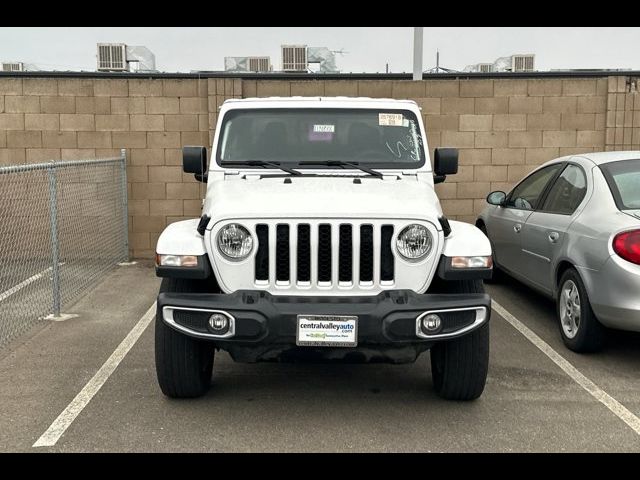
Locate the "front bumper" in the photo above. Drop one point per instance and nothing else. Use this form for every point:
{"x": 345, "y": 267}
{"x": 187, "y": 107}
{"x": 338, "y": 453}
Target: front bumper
{"x": 262, "y": 322}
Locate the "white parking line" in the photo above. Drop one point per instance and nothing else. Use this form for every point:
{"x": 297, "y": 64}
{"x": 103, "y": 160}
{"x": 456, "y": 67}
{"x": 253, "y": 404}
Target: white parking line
{"x": 16, "y": 288}
{"x": 82, "y": 399}
{"x": 596, "y": 392}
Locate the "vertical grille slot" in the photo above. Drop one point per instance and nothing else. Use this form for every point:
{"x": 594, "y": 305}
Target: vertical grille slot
{"x": 262, "y": 255}
{"x": 366, "y": 253}
{"x": 345, "y": 255}
{"x": 324, "y": 253}
{"x": 282, "y": 253}
{"x": 304, "y": 253}
{"x": 386, "y": 257}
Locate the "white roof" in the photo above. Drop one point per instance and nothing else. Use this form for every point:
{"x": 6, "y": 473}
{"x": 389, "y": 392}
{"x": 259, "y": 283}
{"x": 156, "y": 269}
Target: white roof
{"x": 340, "y": 102}
{"x": 606, "y": 157}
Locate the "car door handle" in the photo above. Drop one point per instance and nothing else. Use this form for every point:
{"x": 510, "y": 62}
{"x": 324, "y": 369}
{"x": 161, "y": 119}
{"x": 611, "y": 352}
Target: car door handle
{"x": 517, "y": 227}
{"x": 553, "y": 237}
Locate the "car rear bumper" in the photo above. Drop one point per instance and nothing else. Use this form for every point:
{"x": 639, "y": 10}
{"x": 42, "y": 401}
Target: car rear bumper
{"x": 263, "y": 323}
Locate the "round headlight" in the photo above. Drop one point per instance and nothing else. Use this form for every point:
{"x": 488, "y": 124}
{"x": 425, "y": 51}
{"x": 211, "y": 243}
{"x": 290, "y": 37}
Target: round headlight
{"x": 235, "y": 241}
{"x": 414, "y": 242}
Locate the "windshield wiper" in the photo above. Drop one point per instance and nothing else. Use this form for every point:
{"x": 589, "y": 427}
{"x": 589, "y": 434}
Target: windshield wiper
{"x": 263, "y": 163}
{"x": 342, "y": 164}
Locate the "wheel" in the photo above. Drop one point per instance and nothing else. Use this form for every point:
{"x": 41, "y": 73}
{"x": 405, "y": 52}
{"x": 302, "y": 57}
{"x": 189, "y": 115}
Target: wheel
{"x": 497, "y": 275}
{"x": 459, "y": 367}
{"x": 580, "y": 329}
{"x": 183, "y": 364}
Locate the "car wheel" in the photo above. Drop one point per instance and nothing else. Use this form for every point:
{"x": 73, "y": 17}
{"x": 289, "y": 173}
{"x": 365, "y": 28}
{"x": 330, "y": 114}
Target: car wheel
{"x": 580, "y": 329}
{"x": 183, "y": 364}
{"x": 459, "y": 367}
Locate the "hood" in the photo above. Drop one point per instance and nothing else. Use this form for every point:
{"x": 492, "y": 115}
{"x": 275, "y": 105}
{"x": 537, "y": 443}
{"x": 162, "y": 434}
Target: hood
{"x": 322, "y": 196}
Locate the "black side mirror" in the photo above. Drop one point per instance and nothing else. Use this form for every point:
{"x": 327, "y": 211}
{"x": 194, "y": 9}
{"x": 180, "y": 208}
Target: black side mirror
{"x": 496, "y": 198}
{"x": 445, "y": 163}
{"x": 194, "y": 160}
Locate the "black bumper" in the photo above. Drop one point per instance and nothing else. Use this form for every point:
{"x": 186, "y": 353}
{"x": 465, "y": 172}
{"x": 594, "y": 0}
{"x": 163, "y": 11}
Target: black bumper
{"x": 265, "y": 322}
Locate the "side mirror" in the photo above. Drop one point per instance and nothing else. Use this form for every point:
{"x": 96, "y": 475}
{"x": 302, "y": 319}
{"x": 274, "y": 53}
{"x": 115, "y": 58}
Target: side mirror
{"x": 496, "y": 198}
{"x": 445, "y": 161}
{"x": 194, "y": 160}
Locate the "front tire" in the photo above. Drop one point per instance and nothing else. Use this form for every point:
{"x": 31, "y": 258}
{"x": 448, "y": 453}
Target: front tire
{"x": 580, "y": 329}
{"x": 459, "y": 367}
{"x": 183, "y": 364}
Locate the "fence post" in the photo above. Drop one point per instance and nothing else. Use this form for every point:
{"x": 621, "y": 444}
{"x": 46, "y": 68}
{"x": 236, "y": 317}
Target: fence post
{"x": 125, "y": 203}
{"x": 53, "y": 218}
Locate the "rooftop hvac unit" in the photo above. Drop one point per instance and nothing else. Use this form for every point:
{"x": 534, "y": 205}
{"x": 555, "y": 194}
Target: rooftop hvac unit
{"x": 13, "y": 67}
{"x": 522, "y": 63}
{"x": 485, "y": 67}
{"x": 112, "y": 56}
{"x": 247, "y": 64}
{"x": 259, "y": 64}
{"x": 294, "y": 58}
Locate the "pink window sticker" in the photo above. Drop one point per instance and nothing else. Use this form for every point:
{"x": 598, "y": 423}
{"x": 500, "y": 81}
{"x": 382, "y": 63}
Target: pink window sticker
{"x": 321, "y": 133}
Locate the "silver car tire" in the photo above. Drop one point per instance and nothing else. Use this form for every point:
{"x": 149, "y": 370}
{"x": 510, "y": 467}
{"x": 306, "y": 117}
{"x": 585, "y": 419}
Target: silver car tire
{"x": 580, "y": 329}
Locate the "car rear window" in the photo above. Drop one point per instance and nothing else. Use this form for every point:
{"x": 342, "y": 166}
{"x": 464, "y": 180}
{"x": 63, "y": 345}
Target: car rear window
{"x": 623, "y": 178}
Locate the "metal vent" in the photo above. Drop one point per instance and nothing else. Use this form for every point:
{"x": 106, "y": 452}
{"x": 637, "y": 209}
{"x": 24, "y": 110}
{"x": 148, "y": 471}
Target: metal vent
{"x": 13, "y": 67}
{"x": 262, "y": 254}
{"x": 259, "y": 64}
{"x": 522, "y": 63}
{"x": 294, "y": 58}
{"x": 112, "y": 56}
{"x": 485, "y": 67}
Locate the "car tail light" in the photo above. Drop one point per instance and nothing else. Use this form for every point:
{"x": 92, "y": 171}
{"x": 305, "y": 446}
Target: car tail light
{"x": 627, "y": 245}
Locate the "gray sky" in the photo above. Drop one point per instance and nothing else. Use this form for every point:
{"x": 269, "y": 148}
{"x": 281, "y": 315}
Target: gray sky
{"x": 369, "y": 48}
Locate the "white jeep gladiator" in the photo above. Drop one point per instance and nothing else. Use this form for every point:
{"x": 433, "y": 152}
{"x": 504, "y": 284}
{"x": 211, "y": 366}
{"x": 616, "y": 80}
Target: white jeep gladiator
{"x": 322, "y": 239}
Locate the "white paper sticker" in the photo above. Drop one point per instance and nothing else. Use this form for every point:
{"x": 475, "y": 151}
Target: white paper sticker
{"x": 390, "y": 119}
{"x": 324, "y": 128}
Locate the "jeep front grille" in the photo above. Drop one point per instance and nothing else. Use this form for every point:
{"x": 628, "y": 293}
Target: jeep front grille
{"x": 344, "y": 254}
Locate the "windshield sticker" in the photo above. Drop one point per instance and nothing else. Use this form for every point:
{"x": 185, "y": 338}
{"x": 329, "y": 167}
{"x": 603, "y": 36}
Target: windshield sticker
{"x": 390, "y": 119}
{"x": 321, "y": 133}
{"x": 324, "y": 128}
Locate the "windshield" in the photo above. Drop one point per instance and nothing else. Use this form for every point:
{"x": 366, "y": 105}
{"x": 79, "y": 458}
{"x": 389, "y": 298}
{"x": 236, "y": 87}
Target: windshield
{"x": 623, "y": 178}
{"x": 305, "y": 138}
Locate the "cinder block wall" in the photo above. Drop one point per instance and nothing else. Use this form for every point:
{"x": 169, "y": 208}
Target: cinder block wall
{"x": 503, "y": 128}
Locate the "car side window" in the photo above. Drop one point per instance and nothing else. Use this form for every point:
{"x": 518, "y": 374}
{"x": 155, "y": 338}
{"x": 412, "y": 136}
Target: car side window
{"x": 567, "y": 191}
{"x": 525, "y": 196}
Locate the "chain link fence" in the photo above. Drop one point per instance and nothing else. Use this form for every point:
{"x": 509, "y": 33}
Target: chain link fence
{"x": 63, "y": 225}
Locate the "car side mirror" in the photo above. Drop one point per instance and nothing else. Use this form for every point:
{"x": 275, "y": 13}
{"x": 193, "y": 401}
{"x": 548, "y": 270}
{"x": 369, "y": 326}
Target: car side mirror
{"x": 194, "y": 160}
{"x": 497, "y": 198}
{"x": 445, "y": 162}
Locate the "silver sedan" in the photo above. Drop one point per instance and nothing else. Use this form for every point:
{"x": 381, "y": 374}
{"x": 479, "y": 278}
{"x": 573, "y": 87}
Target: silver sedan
{"x": 571, "y": 230}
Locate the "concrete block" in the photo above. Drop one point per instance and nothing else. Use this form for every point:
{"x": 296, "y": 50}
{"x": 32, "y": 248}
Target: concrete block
{"x": 129, "y": 105}
{"x": 42, "y": 121}
{"x": 179, "y": 87}
{"x": 183, "y": 191}
{"x": 77, "y": 122}
{"x": 148, "y": 223}
{"x": 579, "y": 86}
{"x": 78, "y": 153}
{"x": 129, "y": 139}
{"x": 515, "y": 173}
{"x": 507, "y": 156}
{"x": 147, "y": 156}
{"x": 112, "y": 122}
{"x": 547, "y": 87}
{"x": 491, "y": 105}
{"x": 57, "y": 104}
{"x": 173, "y": 156}
{"x": 453, "y": 105}
{"x": 510, "y": 88}
{"x": 156, "y": 105}
{"x": 165, "y": 174}
{"x": 75, "y": 87}
{"x": 194, "y": 138}
{"x": 148, "y": 191}
{"x": 163, "y": 140}
{"x": 543, "y": 121}
{"x": 11, "y": 121}
{"x": 307, "y": 88}
{"x": 272, "y": 88}
{"x": 525, "y": 105}
{"x": 249, "y": 88}
{"x": 11, "y": 86}
{"x": 12, "y": 156}
{"x": 560, "y": 104}
{"x": 474, "y": 156}
{"x": 147, "y": 123}
{"x": 590, "y": 138}
{"x": 442, "y": 88}
{"x": 474, "y": 189}
{"x": 429, "y": 105}
{"x": 446, "y": 190}
{"x": 476, "y": 123}
{"x": 103, "y": 87}
{"x": 457, "y": 207}
{"x": 408, "y": 89}
{"x": 145, "y": 87}
{"x": 457, "y": 139}
{"x": 39, "y": 155}
{"x": 491, "y": 139}
{"x": 94, "y": 139}
{"x": 578, "y": 121}
{"x": 192, "y": 208}
{"x": 525, "y": 139}
{"x": 166, "y": 207}
{"x": 375, "y": 88}
{"x": 557, "y": 138}
{"x": 24, "y": 139}
{"x": 476, "y": 88}
{"x": 193, "y": 105}
{"x": 179, "y": 123}
{"x": 22, "y": 104}
{"x": 592, "y": 104}
{"x": 54, "y": 139}
{"x": 441, "y": 122}
{"x": 509, "y": 122}
{"x": 341, "y": 88}
{"x": 138, "y": 207}
{"x": 39, "y": 86}
{"x": 99, "y": 105}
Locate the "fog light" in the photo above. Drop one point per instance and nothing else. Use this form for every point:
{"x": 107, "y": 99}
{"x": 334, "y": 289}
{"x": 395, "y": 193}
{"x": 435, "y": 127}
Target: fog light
{"x": 218, "y": 322}
{"x": 431, "y": 323}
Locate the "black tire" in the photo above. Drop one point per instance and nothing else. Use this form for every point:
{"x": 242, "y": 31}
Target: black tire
{"x": 183, "y": 364}
{"x": 497, "y": 275}
{"x": 459, "y": 367}
{"x": 589, "y": 332}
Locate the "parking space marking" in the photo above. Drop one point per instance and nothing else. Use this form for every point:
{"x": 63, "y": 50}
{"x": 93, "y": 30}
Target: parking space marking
{"x": 16, "y": 288}
{"x": 82, "y": 399}
{"x": 596, "y": 392}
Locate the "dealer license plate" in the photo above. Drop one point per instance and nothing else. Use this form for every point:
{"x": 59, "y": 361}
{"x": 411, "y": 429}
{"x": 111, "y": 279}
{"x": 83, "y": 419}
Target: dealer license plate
{"x": 327, "y": 331}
